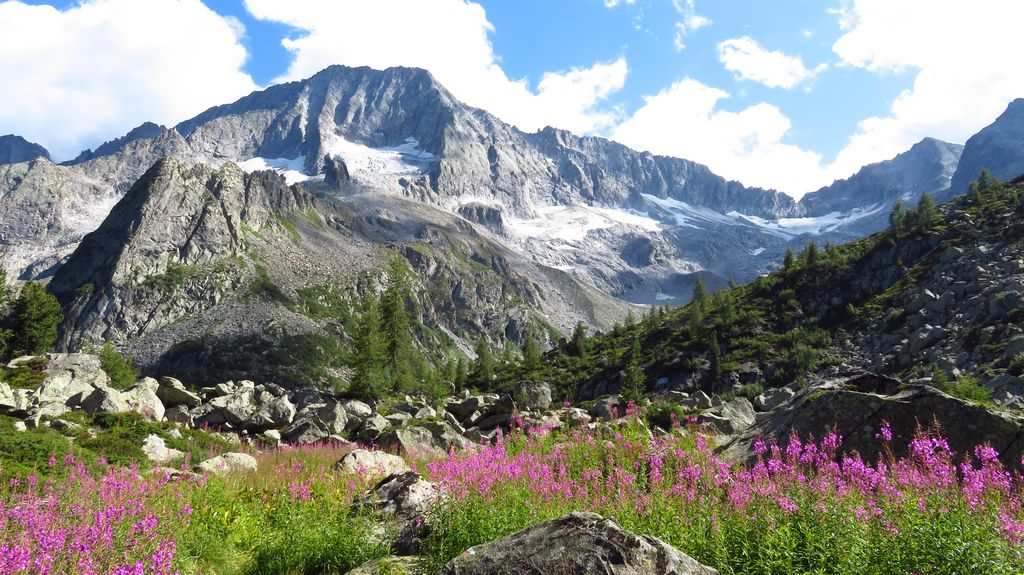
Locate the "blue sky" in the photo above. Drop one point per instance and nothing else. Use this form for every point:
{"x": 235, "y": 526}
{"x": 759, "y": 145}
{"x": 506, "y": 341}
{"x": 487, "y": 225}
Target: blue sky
{"x": 789, "y": 94}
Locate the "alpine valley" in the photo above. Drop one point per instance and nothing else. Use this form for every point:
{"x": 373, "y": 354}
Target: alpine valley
{"x": 221, "y": 338}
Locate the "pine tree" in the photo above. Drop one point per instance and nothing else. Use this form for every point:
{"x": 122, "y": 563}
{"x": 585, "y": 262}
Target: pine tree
{"x": 5, "y": 334}
{"x": 634, "y": 381}
{"x": 787, "y": 264}
{"x": 715, "y": 372}
{"x": 36, "y": 315}
{"x": 974, "y": 193}
{"x": 396, "y": 327}
{"x": 700, "y": 294}
{"x": 579, "y": 344}
{"x": 927, "y": 213}
{"x": 461, "y": 375}
{"x": 531, "y": 352}
{"x": 811, "y": 254}
{"x": 986, "y": 181}
{"x": 368, "y": 382}
{"x": 896, "y": 216}
{"x": 630, "y": 320}
{"x": 484, "y": 374}
{"x": 119, "y": 369}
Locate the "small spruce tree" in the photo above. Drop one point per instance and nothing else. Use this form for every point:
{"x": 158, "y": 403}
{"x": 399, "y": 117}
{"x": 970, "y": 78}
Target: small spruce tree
{"x": 368, "y": 382}
{"x": 35, "y": 318}
{"x": 484, "y": 373}
{"x": 634, "y": 381}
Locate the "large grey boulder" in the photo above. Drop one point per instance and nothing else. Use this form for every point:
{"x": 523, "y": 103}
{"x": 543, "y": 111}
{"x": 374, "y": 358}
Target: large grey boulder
{"x": 854, "y": 406}
{"x": 229, "y": 463}
{"x": 307, "y": 429}
{"x": 173, "y": 393}
{"x": 357, "y": 409}
{"x": 156, "y": 450}
{"x": 143, "y": 399}
{"x": 532, "y": 395}
{"x": 373, "y": 427}
{"x": 236, "y": 407}
{"x": 403, "y": 501}
{"x": 371, "y": 463}
{"x": 106, "y": 400}
{"x": 772, "y": 398}
{"x": 7, "y": 399}
{"x": 334, "y": 415}
{"x": 401, "y": 494}
{"x": 410, "y": 440}
{"x": 576, "y": 544}
{"x": 729, "y": 418}
{"x": 276, "y": 413}
{"x": 70, "y": 378}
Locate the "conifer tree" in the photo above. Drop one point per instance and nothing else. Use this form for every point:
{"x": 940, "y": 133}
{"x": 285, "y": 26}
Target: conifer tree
{"x": 531, "y": 352}
{"x": 716, "y": 360}
{"x": 787, "y": 264}
{"x": 634, "y": 381}
{"x": 927, "y": 212}
{"x": 5, "y": 334}
{"x": 700, "y": 293}
{"x": 630, "y": 320}
{"x": 811, "y": 254}
{"x": 368, "y": 382}
{"x": 484, "y": 374}
{"x": 396, "y": 328}
{"x": 896, "y": 216}
{"x": 579, "y": 344}
{"x": 36, "y": 315}
{"x": 461, "y": 374}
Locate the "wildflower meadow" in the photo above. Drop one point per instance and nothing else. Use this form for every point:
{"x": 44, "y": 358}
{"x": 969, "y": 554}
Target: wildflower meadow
{"x": 801, "y": 508}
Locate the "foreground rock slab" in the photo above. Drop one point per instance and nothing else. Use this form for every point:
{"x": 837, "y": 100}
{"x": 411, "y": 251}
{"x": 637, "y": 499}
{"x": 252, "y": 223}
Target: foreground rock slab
{"x": 387, "y": 566}
{"x": 372, "y": 463}
{"x": 576, "y": 544}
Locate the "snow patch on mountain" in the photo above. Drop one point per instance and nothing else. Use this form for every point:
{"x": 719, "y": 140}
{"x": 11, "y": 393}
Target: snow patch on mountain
{"x": 684, "y": 214}
{"x": 573, "y": 223}
{"x": 788, "y": 228}
{"x": 381, "y": 167}
{"x": 291, "y": 169}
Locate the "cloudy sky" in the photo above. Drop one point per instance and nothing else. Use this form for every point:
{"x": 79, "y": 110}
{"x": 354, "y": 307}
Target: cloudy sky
{"x": 788, "y": 94}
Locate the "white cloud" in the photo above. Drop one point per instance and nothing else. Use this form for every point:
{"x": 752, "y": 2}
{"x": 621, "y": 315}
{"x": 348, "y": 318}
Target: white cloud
{"x": 690, "y": 21}
{"x": 966, "y": 61}
{"x": 450, "y": 39}
{"x": 77, "y": 77}
{"x": 683, "y": 121}
{"x": 749, "y": 61}
{"x": 614, "y": 3}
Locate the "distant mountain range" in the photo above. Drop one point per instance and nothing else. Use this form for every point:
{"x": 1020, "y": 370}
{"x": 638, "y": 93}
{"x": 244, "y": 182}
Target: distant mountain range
{"x": 380, "y": 157}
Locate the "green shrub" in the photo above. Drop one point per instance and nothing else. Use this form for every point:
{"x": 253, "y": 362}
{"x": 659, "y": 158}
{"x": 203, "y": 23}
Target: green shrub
{"x": 660, "y": 413}
{"x": 966, "y": 387}
{"x": 27, "y": 375}
{"x": 119, "y": 369}
{"x": 1016, "y": 366}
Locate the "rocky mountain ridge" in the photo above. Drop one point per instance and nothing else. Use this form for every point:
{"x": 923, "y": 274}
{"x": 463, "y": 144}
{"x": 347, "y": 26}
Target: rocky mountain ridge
{"x": 644, "y": 222}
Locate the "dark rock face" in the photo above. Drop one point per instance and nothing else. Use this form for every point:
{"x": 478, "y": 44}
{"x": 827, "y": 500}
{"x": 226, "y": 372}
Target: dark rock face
{"x": 927, "y": 167}
{"x": 575, "y": 544}
{"x": 15, "y": 150}
{"x": 146, "y": 131}
{"x": 174, "y": 216}
{"x": 856, "y": 406}
{"x": 997, "y": 148}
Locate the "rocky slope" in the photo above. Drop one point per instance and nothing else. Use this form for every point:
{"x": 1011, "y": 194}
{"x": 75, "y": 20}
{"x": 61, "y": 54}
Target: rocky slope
{"x": 636, "y": 226}
{"x": 15, "y": 149}
{"x": 203, "y": 273}
{"x": 997, "y": 148}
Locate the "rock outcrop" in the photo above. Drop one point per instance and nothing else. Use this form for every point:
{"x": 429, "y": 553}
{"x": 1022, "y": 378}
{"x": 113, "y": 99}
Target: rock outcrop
{"x": 576, "y": 544}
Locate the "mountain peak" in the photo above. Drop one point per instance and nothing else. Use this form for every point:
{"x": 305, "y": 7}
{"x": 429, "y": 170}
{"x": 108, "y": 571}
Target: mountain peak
{"x": 995, "y": 148}
{"x": 15, "y": 150}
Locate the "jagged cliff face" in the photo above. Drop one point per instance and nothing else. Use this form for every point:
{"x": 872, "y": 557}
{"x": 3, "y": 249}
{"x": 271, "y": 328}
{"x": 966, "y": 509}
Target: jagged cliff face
{"x": 197, "y": 261}
{"x": 997, "y": 149}
{"x": 15, "y": 149}
{"x": 636, "y": 226}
